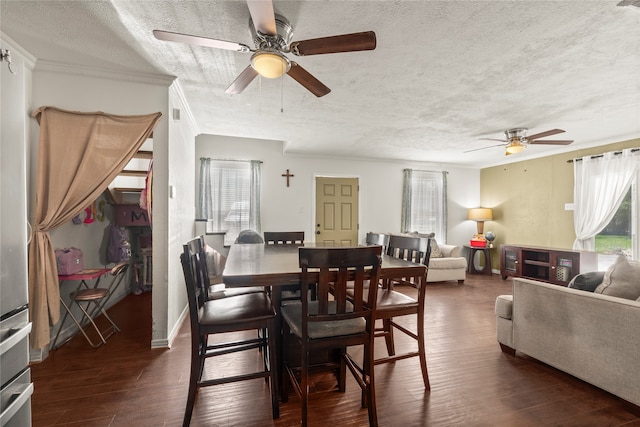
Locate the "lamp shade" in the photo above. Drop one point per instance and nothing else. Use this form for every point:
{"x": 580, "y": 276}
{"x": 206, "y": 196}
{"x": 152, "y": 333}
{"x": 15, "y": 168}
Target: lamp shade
{"x": 480, "y": 214}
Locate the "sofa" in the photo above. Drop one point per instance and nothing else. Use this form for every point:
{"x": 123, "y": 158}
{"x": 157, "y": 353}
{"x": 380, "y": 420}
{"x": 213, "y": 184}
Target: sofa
{"x": 450, "y": 266}
{"x": 592, "y": 336}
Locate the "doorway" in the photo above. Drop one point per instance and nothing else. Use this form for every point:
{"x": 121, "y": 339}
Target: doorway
{"x": 337, "y": 210}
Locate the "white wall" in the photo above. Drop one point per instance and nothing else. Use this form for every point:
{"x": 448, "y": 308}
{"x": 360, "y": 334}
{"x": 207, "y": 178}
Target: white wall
{"x": 293, "y": 208}
{"x": 173, "y": 218}
{"x": 81, "y": 89}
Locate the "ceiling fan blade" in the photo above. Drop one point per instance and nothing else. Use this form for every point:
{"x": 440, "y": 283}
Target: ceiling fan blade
{"x": 482, "y": 148}
{"x": 552, "y": 141}
{"x": 263, "y": 16}
{"x": 200, "y": 41}
{"x": 335, "y": 44}
{"x": 303, "y": 77}
{"x": 242, "y": 81}
{"x": 493, "y": 139}
{"x": 543, "y": 134}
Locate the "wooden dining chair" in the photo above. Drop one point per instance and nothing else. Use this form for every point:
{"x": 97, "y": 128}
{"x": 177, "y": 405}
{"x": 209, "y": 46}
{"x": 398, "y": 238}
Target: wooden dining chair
{"x": 393, "y": 304}
{"x": 216, "y": 289}
{"x": 234, "y": 314}
{"x": 332, "y": 321}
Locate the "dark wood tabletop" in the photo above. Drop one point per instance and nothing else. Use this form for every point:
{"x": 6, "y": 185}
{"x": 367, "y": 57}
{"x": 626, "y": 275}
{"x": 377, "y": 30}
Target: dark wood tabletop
{"x": 258, "y": 264}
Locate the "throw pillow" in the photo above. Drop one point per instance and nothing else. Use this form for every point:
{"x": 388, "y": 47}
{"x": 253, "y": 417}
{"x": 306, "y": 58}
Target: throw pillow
{"x": 587, "y": 281}
{"x": 435, "y": 249}
{"x": 622, "y": 279}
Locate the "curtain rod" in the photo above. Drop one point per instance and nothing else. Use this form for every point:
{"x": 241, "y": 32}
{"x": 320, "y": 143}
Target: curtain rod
{"x": 633, "y": 150}
{"x": 424, "y": 170}
{"x": 230, "y": 160}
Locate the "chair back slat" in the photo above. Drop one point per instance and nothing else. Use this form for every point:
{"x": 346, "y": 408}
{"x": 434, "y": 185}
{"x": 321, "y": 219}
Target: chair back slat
{"x": 426, "y": 242}
{"x": 119, "y": 268}
{"x": 195, "y": 271}
{"x": 193, "y": 291}
{"x": 284, "y": 237}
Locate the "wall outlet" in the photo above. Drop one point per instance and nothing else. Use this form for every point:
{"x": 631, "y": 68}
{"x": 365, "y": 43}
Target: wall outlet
{"x": 568, "y": 206}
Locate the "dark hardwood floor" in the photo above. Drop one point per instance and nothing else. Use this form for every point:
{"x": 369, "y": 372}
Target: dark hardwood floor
{"x": 125, "y": 383}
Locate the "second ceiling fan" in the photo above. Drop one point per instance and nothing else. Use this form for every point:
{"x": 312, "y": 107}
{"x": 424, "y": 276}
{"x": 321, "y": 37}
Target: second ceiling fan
{"x": 272, "y": 35}
{"x": 517, "y": 140}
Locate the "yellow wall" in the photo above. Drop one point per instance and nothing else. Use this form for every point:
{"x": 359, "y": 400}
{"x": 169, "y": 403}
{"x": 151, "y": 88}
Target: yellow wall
{"x": 528, "y": 199}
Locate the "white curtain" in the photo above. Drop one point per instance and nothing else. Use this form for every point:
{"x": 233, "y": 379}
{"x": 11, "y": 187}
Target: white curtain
{"x": 424, "y": 203}
{"x": 600, "y": 185}
{"x": 229, "y": 196}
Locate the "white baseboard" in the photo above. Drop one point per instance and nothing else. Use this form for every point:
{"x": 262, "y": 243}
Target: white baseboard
{"x": 167, "y": 342}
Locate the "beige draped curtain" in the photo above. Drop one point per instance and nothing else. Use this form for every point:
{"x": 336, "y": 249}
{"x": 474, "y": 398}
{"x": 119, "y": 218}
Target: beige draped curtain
{"x": 79, "y": 155}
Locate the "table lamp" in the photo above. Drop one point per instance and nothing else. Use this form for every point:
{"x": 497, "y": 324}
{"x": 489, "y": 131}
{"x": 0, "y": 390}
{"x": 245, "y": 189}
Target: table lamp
{"x": 480, "y": 215}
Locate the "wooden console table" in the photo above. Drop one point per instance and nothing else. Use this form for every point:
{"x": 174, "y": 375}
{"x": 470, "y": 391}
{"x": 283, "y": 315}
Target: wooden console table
{"x": 557, "y": 266}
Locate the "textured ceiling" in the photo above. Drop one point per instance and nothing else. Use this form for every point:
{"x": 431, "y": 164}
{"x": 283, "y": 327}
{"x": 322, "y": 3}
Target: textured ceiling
{"x": 443, "y": 75}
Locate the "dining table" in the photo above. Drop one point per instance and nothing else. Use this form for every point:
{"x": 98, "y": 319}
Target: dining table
{"x": 277, "y": 266}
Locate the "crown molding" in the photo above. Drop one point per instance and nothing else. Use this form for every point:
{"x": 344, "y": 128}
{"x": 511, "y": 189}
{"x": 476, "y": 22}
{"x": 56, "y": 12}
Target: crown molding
{"x": 105, "y": 73}
{"x": 176, "y": 88}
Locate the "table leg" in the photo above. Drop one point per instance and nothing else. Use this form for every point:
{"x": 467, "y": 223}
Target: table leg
{"x": 276, "y": 300}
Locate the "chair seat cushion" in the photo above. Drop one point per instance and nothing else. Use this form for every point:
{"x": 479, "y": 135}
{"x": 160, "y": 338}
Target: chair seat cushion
{"x": 387, "y": 298}
{"x": 240, "y": 308}
{"x": 220, "y": 291}
{"x": 292, "y": 314}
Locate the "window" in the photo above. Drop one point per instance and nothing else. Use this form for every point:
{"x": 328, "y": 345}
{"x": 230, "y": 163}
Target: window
{"x": 618, "y": 237}
{"x": 605, "y": 198}
{"x": 229, "y": 196}
{"x": 424, "y": 203}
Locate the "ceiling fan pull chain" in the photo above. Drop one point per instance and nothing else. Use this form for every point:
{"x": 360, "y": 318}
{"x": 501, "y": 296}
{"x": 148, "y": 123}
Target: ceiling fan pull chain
{"x": 259, "y": 93}
{"x": 281, "y": 95}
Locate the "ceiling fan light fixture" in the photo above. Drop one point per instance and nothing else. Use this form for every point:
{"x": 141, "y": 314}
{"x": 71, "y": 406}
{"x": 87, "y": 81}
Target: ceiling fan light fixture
{"x": 270, "y": 64}
{"x": 514, "y": 147}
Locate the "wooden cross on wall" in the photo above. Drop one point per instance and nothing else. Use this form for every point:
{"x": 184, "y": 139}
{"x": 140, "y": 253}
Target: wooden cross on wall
{"x": 287, "y": 175}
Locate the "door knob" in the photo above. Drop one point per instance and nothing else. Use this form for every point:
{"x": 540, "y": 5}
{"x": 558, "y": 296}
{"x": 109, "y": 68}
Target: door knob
{"x": 318, "y": 232}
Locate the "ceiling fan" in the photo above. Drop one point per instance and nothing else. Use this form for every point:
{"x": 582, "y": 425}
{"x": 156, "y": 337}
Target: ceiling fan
{"x": 517, "y": 140}
{"x": 272, "y": 35}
